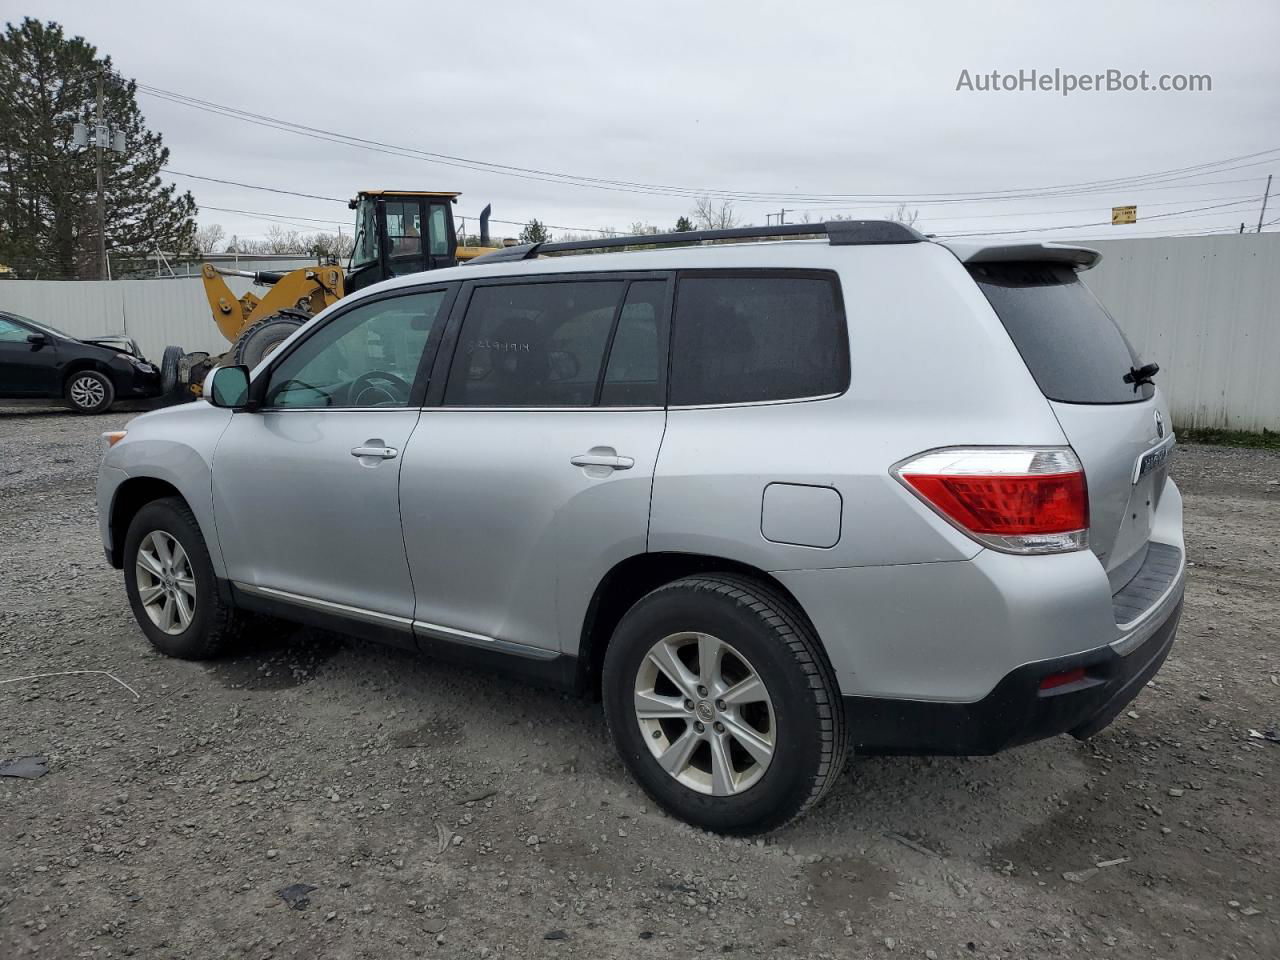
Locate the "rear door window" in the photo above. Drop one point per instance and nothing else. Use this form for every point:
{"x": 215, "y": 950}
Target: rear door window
{"x": 534, "y": 344}
{"x": 1069, "y": 342}
{"x": 757, "y": 336}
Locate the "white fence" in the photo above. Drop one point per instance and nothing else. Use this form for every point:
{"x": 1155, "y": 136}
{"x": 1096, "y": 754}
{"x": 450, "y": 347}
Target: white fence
{"x": 153, "y": 312}
{"x": 1207, "y": 309}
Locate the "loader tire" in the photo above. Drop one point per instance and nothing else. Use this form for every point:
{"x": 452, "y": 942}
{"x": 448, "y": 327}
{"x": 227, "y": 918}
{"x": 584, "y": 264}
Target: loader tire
{"x": 257, "y": 342}
{"x": 169, "y": 368}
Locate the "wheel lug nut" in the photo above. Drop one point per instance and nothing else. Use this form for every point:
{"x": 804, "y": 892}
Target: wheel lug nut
{"x": 688, "y": 704}
{"x": 657, "y": 734}
{"x": 699, "y": 727}
{"x": 721, "y": 706}
{"x": 719, "y": 727}
{"x": 702, "y": 691}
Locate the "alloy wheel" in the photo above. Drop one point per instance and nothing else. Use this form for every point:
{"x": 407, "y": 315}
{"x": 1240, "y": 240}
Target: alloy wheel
{"x": 87, "y": 392}
{"x": 705, "y": 713}
{"x": 166, "y": 582}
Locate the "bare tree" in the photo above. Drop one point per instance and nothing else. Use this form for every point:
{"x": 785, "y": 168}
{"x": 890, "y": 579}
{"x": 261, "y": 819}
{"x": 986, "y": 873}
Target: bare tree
{"x": 336, "y": 246}
{"x": 709, "y": 214}
{"x": 280, "y": 240}
{"x": 209, "y": 239}
{"x": 903, "y": 215}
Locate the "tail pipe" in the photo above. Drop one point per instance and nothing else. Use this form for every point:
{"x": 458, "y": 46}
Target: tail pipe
{"x": 484, "y": 225}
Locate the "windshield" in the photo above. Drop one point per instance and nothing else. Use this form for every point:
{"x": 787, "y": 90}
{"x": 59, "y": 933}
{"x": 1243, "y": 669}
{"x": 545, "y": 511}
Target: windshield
{"x": 365, "y": 250}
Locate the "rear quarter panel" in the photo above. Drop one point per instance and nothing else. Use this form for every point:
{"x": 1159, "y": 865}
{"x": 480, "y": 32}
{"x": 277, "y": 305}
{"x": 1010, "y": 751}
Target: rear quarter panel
{"x": 931, "y": 366}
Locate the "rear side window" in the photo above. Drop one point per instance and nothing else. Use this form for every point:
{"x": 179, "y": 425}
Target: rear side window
{"x": 757, "y": 337}
{"x": 533, "y": 344}
{"x": 1069, "y": 342}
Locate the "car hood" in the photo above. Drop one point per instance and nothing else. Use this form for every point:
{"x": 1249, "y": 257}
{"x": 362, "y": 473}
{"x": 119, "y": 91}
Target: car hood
{"x": 115, "y": 341}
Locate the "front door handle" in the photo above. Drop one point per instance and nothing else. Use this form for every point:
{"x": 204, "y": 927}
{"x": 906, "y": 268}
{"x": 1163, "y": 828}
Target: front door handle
{"x": 602, "y": 460}
{"x": 382, "y": 453}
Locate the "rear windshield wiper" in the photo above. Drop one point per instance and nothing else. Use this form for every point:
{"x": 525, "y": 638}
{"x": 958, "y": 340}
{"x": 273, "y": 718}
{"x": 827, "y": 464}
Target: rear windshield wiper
{"x": 1139, "y": 376}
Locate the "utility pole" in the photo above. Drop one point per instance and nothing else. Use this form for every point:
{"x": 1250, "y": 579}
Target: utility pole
{"x": 1263, "y": 212}
{"x": 99, "y": 136}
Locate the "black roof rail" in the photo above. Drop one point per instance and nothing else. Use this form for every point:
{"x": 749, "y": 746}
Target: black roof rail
{"x": 839, "y": 233}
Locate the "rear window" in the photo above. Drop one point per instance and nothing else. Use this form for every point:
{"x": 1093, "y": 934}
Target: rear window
{"x": 1067, "y": 339}
{"x": 758, "y": 337}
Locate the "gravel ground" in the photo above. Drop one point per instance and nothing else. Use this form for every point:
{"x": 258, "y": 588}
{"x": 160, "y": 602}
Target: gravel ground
{"x": 442, "y": 812}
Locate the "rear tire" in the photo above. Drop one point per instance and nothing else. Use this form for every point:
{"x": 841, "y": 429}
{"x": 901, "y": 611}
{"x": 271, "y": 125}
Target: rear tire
{"x": 174, "y": 592}
{"x": 89, "y": 391}
{"x": 782, "y": 747}
{"x": 257, "y": 342}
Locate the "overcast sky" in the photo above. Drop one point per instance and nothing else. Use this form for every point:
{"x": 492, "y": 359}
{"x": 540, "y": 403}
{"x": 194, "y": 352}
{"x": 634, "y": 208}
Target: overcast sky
{"x": 814, "y": 99}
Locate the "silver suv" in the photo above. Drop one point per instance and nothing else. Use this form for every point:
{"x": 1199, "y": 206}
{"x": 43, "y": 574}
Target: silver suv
{"x": 772, "y": 501}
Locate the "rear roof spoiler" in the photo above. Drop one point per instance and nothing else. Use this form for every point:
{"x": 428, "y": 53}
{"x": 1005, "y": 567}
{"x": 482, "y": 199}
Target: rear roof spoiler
{"x": 976, "y": 251}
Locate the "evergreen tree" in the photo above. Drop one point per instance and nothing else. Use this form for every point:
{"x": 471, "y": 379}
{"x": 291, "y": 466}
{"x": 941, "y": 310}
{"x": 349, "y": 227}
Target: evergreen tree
{"x": 48, "y": 187}
{"x": 534, "y": 232}
{"x": 684, "y": 225}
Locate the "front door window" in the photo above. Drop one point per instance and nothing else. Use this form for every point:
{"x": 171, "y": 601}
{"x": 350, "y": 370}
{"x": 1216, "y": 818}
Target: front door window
{"x": 366, "y": 357}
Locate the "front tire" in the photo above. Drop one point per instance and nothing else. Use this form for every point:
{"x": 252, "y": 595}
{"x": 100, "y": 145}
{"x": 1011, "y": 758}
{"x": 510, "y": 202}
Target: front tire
{"x": 89, "y": 391}
{"x": 261, "y": 339}
{"x": 171, "y": 585}
{"x": 722, "y": 704}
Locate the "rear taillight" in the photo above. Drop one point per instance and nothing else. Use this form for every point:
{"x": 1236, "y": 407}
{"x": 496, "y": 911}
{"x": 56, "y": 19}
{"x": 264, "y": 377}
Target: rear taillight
{"x": 1015, "y": 499}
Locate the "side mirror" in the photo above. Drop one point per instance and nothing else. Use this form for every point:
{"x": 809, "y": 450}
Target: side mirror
{"x": 228, "y": 387}
{"x": 37, "y": 339}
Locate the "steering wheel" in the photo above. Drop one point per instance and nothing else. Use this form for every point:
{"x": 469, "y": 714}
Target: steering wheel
{"x": 365, "y": 384}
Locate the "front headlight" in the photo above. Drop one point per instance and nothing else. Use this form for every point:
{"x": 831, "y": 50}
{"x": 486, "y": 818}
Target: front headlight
{"x": 136, "y": 361}
{"x": 111, "y": 438}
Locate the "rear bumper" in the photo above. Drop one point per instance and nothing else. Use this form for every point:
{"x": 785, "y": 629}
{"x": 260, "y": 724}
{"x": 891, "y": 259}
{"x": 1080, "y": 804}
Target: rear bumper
{"x": 1017, "y": 711}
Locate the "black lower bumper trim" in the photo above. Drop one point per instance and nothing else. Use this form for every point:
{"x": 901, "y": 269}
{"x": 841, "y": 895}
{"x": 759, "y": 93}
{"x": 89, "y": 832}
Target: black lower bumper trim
{"x": 1017, "y": 711}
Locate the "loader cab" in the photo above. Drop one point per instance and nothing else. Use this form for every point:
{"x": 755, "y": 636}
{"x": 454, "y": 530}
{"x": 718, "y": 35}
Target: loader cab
{"x": 399, "y": 233}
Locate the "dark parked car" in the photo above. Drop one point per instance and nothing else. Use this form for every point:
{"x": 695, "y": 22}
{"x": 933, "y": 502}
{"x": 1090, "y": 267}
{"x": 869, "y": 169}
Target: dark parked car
{"x": 38, "y": 362}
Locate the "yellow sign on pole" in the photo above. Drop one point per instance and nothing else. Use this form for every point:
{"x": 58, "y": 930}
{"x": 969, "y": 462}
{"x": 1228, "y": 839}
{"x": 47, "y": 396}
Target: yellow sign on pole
{"x": 1124, "y": 215}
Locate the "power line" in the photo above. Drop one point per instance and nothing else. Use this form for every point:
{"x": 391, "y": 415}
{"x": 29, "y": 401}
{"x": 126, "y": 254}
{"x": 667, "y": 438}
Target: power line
{"x": 249, "y": 186}
{"x": 1045, "y": 213}
{"x": 1099, "y": 223}
{"x": 276, "y": 216}
{"x": 532, "y": 173}
{"x": 553, "y": 226}
{"x": 1125, "y": 190}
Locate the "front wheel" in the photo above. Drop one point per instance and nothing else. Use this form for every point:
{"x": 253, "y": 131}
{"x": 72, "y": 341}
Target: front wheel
{"x": 171, "y": 585}
{"x": 89, "y": 391}
{"x": 723, "y": 705}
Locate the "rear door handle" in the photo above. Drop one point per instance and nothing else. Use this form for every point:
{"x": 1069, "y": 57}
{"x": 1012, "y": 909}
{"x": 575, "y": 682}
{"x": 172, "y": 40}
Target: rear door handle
{"x": 382, "y": 453}
{"x": 602, "y": 460}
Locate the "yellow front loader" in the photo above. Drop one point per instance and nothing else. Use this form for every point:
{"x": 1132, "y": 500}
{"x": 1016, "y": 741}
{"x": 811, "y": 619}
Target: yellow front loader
{"x": 397, "y": 233}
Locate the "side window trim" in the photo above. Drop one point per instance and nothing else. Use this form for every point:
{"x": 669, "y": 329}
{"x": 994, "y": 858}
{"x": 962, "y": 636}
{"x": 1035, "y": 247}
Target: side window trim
{"x": 444, "y": 358}
{"x": 799, "y": 273}
{"x": 608, "y": 343}
{"x": 418, "y": 389}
